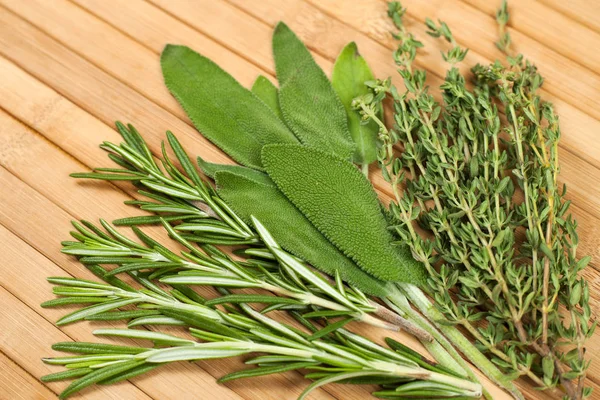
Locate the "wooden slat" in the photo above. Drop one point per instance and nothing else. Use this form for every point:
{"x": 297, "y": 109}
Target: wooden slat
{"x": 137, "y": 66}
{"x": 50, "y": 171}
{"x": 586, "y": 12}
{"x": 17, "y": 384}
{"x": 550, "y": 28}
{"x": 26, "y": 336}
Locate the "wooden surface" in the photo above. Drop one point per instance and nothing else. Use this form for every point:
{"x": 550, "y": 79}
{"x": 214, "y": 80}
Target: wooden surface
{"x": 69, "y": 69}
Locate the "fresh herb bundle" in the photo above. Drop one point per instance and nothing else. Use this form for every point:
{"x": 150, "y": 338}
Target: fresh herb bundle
{"x": 493, "y": 264}
{"x": 501, "y": 257}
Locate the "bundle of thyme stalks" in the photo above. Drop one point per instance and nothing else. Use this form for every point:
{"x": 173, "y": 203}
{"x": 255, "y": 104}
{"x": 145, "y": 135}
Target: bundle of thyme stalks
{"x": 478, "y": 223}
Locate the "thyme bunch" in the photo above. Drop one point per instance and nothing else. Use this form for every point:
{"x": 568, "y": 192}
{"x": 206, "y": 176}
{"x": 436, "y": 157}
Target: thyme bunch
{"x": 502, "y": 251}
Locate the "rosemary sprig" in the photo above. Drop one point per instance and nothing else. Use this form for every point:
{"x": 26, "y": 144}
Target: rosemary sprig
{"x": 295, "y": 286}
{"x": 178, "y": 196}
{"x": 403, "y": 314}
{"x": 332, "y": 357}
{"x": 491, "y": 257}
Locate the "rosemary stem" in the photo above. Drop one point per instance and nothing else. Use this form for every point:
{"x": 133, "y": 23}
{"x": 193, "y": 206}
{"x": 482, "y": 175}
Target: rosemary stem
{"x": 401, "y": 322}
{"x": 418, "y": 298}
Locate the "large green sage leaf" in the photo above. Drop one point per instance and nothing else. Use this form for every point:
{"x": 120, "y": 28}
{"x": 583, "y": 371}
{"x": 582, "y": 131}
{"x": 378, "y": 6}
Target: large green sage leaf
{"x": 225, "y": 112}
{"x": 350, "y": 73}
{"x": 310, "y": 106}
{"x": 211, "y": 169}
{"x": 341, "y": 203}
{"x": 268, "y": 93}
{"x": 290, "y": 228}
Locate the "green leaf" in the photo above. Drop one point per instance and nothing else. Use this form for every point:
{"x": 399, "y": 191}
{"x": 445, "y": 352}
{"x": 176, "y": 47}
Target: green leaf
{"x": 335, "y": 378}
{"x": 67, "y": 374}
{"x": 350, "y": 73}
{"x": 261, "y": 371}
{"x": 278, "y": 214}
{"x": 99, "y": 375}
{"x": 201, "y": 351}
{"x": 94, "y": 309}
{"x": 225, "y": 112}
{"x": 96, "y": 348}
{"x": 198, "y": 321}
{"x": 265, "y": 90}
{"x": 62, "y": 301}
{"x": 132, "y": 373}
{"x": 330, "y": 328}
{"x": 252, "y": 298}
{"x": 184, "y": 159}
{"x": 341, "y": 203}
{"x": 220, "y": 281}
{"x": 210, "y": 169}
{"x": 310, "y": 106}
{"x": 156, "y": 337}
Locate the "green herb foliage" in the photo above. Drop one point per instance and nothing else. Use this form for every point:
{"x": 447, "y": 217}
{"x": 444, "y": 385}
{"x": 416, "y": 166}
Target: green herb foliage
{"x": 225, "y": 112}
{"x": 350, "y": 73}
{"x": 291, "y": 228}
{"x": 330, "y": 358}
{"x": 265, "y": 90}
{"x": 310, "y": 106}
{"x": 485, "y": 186}
{"x": 342, "y": 204}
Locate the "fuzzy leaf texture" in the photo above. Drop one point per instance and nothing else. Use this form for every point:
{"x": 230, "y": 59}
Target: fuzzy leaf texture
{"x": 265, "y": 90}
{"x": 309, "y": 105}
{"x": 210, "y": 169}
{"x": 350, "y": 73}
{"x": 225, "y": 112}
{"x": 341, "y": 203}
{"x": 248, "y": 196}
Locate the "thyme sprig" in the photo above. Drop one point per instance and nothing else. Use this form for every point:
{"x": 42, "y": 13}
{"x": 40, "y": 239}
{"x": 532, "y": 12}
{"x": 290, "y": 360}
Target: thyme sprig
{"x": 498, "y": 265}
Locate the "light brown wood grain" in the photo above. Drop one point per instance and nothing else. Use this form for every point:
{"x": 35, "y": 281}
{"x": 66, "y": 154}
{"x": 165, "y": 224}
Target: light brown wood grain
{"x": 68, "y": 69}
{"x": 27, "y": 336}
{"x": 17, "y": 384}
{"x": 585, "y": 12}
{"x": 551, "y": 28}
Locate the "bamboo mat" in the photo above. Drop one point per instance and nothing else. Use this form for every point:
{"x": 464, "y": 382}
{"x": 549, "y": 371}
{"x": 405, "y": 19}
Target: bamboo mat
{"x": 69, "y": 69}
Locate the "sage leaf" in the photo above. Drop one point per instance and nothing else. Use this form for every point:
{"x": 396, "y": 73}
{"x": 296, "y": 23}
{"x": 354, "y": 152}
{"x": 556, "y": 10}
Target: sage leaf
{"x": 309, "y": 105}
{"x": 210, "y": 170}
{"x": 291, "y": 229}
{"x": 225, "y": 112}
{"x": 350, "y": 73}
{"x": 341, "y": 203}
{"x": 265, "y": 90}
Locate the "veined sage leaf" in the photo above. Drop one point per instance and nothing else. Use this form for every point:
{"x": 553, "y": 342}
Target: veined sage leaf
{"x": 350, "y": 73}
{"x": 341, "y": 203}
{"x": 291, "y": 229}
{"x": 308, "y": 102}
{"x": 268, "y": 93}
{"x": 210, "y": 169}
{"x": 225, "y": 112}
